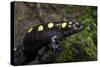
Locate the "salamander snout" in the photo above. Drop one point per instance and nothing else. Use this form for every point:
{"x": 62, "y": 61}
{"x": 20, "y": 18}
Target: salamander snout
{"x": 73, "y": 27}
{"x": 77, "y": 26}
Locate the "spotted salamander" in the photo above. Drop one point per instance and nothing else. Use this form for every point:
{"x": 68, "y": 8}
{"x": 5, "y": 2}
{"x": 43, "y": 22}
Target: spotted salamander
{"x": 48, "y": 34}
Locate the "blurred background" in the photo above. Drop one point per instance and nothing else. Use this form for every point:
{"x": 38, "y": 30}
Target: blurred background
{"x": 81, "y": 46}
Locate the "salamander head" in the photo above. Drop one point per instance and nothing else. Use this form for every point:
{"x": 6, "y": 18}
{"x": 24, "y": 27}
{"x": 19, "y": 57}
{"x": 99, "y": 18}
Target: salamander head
{"x": 73, "y": 27}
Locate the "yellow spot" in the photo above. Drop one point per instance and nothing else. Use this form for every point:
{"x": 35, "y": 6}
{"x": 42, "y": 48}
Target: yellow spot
{"x": 50, "y": 25}
{"x": 63, "y": 25}
{"x": 40, "y": 28}
{"x": 14, "y": 49}
{"x": 70, "y": 22}
{"x": 69, "y": 25}
{"x": 30, "y": 30}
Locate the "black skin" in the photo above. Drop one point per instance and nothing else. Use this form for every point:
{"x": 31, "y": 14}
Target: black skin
{"x": 35, "y": 40}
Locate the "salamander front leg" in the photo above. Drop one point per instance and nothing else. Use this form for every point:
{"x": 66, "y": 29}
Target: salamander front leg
{"x": 55, "y": 44}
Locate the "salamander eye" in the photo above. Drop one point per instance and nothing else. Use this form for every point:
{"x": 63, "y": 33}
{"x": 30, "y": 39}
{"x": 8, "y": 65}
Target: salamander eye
{"x": 40, "y": 28}
{"x": 50, "y": 25}
{"x": 30, "y": 30}
{"x": 77, "y": 25}
{"x": 64, "y": 24}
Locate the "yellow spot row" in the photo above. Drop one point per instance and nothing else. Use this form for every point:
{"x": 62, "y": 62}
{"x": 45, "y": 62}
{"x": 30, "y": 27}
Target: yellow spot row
{"x": 50, "y": 25}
